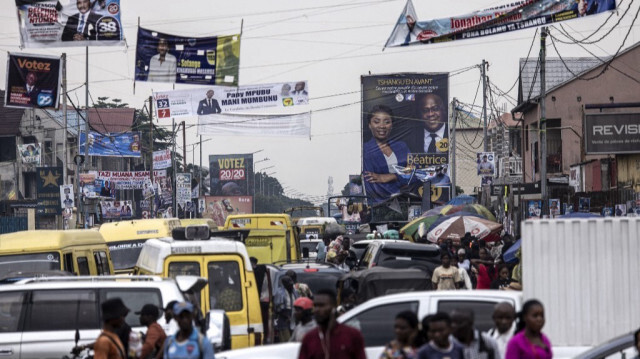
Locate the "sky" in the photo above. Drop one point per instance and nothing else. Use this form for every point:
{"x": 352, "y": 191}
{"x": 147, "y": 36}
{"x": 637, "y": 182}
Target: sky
{"x": 330, "y": 44}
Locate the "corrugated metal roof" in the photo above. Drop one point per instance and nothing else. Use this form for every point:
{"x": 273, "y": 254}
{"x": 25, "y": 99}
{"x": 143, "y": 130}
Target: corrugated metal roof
{"x": 72, "y": 120}
{"x": 111, "y": 119}
{"x": 10, "y": 119}
{"x": 556, "y": 73}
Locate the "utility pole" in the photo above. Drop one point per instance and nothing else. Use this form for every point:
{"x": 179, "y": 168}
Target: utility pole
{"x": 86, "y": 127}
{"x": 542, "y": 123}
{"x": 200, "y": 190}
{"x": 184, "y": 147}
{"x": 454, "y": 119}
{"x": 64, "y": 115}
{"x": 484, "y": 103}
{"x": 151, "y": 202}
{"x": 173, "y": 166}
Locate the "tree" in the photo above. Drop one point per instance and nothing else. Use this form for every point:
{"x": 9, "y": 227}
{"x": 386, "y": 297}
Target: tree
{"x": 270, "y": 198}
{"x": 162, "y": 137}
{"x": 115, "y": 103}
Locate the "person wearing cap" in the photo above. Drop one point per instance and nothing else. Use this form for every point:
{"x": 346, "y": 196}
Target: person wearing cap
{"x": 108, "y": 344}
{"x": 303, "y": 313}
{"x": 154, "y": 340}
{"x": 187, "y": 343}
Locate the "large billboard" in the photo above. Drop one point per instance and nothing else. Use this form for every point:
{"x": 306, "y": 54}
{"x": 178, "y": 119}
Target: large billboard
{"x": 219, "y": 208}
{"x": 612, "y": 133}
{"x": 231, "y": 175}
{"x": 516, "y": 15}
{"x": 32, "y": 81}
{"x": 125, "y": 144}
{"x": 64, "y": 23}
{"x": 192, "y": 60}
{"x": 404, "y": 127}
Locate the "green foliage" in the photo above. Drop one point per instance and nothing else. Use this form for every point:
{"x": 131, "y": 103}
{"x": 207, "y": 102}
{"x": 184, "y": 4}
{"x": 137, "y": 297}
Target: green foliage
{"x": 270, "y": 198}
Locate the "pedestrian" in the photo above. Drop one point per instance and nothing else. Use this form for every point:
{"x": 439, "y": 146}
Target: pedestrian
{"x": 446, "y": 277}
{"x": 303, "y": 312}
{"x": 503, "y": 279}
{"x": 463, "y": 261}
{"x": 439, "y": 345}
{"x": 172, "y": 323}
{"x": 321, "y": 249}
{"x": 528, "y": 342}
{"x": 283, "y": 303}
{"x": 466, "y": 279}
{"x": 484, "y": 269}
{"x": 301, "y": 289}
{"x": 155, "y": 337}
{"x": 330, "y": 340}
{"x": 504, "y": 316}
{"x": 108, "y": 344}
{"x": 476, "y": 344}
{"x": 188, "y": 342}
{"x": 407, "y": 341}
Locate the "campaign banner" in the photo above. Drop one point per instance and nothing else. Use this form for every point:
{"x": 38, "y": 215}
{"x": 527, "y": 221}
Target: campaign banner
{"x": 516, "y": 15}
{"x": 170, "y": 58}
{"x": 486, "y": 164}
{"x": 48, "y": 191}
{"x": 405, "y": 127}
{"x": 30, "y": 153}
{"x": 65, "y": 23}
{"x": 534, "y": 209}
{"x": 584, "y": 204}
{"x": 33, "y": 81}
{"x": 67, "y": 200}
{"x": 161, "y": 159}
{"x": 126, "y": 144}
{"x": 219, "y": 208}
{"x": 612, "y": 133}
{"x": 228, "y": 124}
{"x": 231, "y": 175}
{"x": 219, "y": 99}
{"x": 94, "y": 184}
{"x": 554, "y": 207}
{"x": 116, "y": 209}
{"x": 183, "y": 189}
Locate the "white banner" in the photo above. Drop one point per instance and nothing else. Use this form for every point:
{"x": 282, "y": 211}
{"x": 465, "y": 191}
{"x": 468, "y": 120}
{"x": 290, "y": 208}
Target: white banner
{"x": 161, "y": 159}
{"x": 94, "y": 184}
{"x": 30, "y": 153}
{"x": 210, "y": 100}
{"x": 66, "y": 196}
{"x": 183, "y": 189}
{"x": 256, "y": 125}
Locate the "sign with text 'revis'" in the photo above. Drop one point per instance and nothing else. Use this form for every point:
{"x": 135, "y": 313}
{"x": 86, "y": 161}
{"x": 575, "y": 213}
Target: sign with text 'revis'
{"x": 213, "y": 100}
{"x": 169, "y": 58}
{"x": 612, "y": 133}
{"x": 516, "y": 15}
{"x": 65, "y": 23}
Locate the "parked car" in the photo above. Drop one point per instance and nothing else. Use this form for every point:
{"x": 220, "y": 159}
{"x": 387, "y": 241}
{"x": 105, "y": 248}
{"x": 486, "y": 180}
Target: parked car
{"x": 621, "y": 347}
{"x": 309, "y": 247}
{"x": 378, "y": 281}
{"x": 358, "y": 248}
{"x": 401, "y": 254}
{"x": 315, "y": 275}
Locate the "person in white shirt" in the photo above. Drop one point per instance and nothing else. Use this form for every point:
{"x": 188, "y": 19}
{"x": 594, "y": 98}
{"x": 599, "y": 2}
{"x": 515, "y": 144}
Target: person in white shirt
{"x": 162, "y": 66}
{"x": 504, "y": 315}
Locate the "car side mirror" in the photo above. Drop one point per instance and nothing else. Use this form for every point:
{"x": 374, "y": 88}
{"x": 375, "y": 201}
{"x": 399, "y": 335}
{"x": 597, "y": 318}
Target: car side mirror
{"x": 218, "y": 330}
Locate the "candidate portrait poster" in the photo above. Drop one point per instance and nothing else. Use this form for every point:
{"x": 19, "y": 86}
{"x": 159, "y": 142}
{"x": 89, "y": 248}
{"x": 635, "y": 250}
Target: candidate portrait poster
{"x": 219, "y": 208}
{"x": 404, "y": 127}
{"x": 170, "y": 58}
{"x": 30, "y": 153}
{"x": 126, "y": 144}
{"x": 516, "y": 15}
{"x": 33, "y": 81}
{"x": 67, "y": 200}
{"x": 161, "y": 159}
{"x": 486, "y": 164}
{"x": 231, "y": 175}
{"x": 65, "y": 23}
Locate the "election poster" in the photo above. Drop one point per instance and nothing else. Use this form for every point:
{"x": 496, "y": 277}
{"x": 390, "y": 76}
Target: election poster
{"x": 116, "y": 209}
{"x": 30, "y": 153}
{"x": 126, "y": 144}
{"x": 554, "y": 207}
{"x": 231, "y": 175}
{"x": 66, "y": 196}
{"x": 219, "y": 208}
{"x": 534, "y": 209}
{"x": 65, "y": 23}
{"x": 516, "y": 15}
{"x": 161, "y": 159}
{"x": 228, "y": 124}
{"x": 405, "y": 136}
{"x": 211, "y": 100}
{"x": 48, "y": 191}
{"x": 183, "y": 189}
{"x": 486, "y": 164}
{"x": 94, "y": 184}
{"x": 33, "y": 81}
{"x": 584, "y": 204}
{"x": 170, "y": 58}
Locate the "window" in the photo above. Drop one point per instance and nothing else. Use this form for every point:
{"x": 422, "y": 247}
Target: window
{"x": 68, "y": 262}
{"x": 8, "y": 149}
{"x": 483, "y": 311}
{"x": 184, "y": 268}
{"x": 367, "y": 256}
{"x": 62, "y": 310}
{"x": 11, "y": 304}
{"x": 83, "y": 266}
{"x": 554, "y": 146}
{"x": 102, "y": 263}
{"x": 134, "y": 299}
{"x": 35, "y": 262}
{"x": 376, "y": 324}
{"x": 225, "y": 286}
{"x": 125, "y": 254}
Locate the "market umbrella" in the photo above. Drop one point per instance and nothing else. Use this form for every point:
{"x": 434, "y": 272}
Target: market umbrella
{"x": 454, "y": 227}
{"x": 510, "y": 255}
{"x": 462, "y": 199}
{"x": 410, "y": 230}
{"x": 436, "y": 211}
{"x": 470, "y": 208}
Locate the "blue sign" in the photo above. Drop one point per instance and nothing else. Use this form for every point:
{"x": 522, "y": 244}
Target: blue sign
{"x": 112, "y": 144}
{"x": 176, "y": 59}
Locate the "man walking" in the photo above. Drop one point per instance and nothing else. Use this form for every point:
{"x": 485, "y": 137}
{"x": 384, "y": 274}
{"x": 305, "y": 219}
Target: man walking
{"x": 476, "y": 345}
{"x": 283, "y": 302}
{"x": 154, "y": 340}
{"x": 504, "y": 315}
{"x": 108, "y": 345}
{"x": 330, "y": 340}
{"x": 303, "y": 312}
{"x": 188, "y": 342}
{"x": 446, "y": 277}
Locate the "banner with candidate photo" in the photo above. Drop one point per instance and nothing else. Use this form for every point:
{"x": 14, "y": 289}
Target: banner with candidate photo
{"x": 231, "y": 175}
{"x": 65, "y": 23}
{"x": 161, "y": 159}
{"x": 486, "y": 164}
{"x": 213, "y": 100}
{"x": 126, "y": 144}
{"x": 405, "y": 136}
{"x": 219, "y": 208}
{"x": 212, "y": 60}
{"x": 30, "y": 153}
{"x": 117, "y": 209}
{"x": 94, "y": 184}
{"x": 516, "y": 15}
{"x": 67, "y": 200}
{"x": 33, "y": 81}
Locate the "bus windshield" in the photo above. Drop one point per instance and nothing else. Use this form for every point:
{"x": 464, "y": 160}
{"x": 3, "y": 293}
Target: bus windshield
{"x": 35, "y": 262}
{"x": 124, "y": 254}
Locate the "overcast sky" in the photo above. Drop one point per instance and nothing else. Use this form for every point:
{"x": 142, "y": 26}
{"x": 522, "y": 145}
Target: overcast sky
{"x": 328, "y": 43}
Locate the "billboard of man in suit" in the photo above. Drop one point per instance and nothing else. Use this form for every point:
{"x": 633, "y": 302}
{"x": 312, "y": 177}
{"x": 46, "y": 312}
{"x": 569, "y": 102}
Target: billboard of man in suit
{"x": 81, "y": 26}
{"x": 209, "y": 105}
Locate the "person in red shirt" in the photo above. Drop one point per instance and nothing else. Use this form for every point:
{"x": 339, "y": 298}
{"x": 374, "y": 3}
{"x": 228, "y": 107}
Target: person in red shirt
{"x": 330, "y": 340}
{"x": 484, "y": 269}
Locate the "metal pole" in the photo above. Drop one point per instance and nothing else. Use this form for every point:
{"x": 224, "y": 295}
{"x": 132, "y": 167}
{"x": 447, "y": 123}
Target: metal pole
{"x": 86, "y": 126}
{"x": 184, "y": 147}
{"x": 173, "y": 166}
{"x": 543, "y": 121}
{"x": 64, "y": 115}
{"x": 484, "y": 104}
{"x": 454, "y": 171}
{"x": 151, "y": 202}
{"x": 200, "y": 190}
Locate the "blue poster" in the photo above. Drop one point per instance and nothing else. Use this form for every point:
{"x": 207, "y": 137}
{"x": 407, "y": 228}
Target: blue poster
{"x": 125, "y": 144}
{"x": 192, "y": 60}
